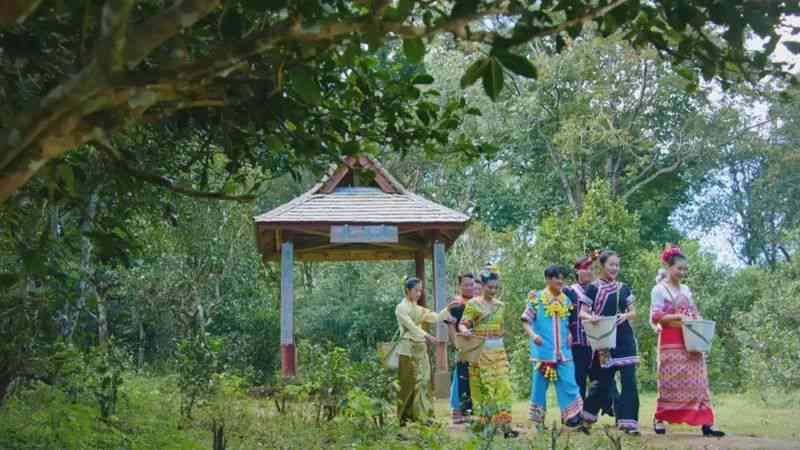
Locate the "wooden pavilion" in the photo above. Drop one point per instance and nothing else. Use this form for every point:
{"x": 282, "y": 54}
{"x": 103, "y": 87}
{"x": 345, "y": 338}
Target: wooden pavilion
{"x": 359, "y": 212}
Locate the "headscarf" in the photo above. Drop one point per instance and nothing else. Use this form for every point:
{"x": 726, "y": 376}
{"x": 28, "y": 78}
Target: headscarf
{"x": 585, "y": 263}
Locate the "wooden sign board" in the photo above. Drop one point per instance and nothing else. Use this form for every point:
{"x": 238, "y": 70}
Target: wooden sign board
{"x": 364, "y": 234}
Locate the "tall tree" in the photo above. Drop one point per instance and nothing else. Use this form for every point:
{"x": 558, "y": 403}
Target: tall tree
{"x": 753, "y": 192}
{"x": 605, "y": 111}
{"x": 599, "y": 110}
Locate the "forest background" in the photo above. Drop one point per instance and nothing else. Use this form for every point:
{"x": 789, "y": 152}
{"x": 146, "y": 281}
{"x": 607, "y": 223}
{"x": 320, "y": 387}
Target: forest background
{"x": 130, "y": 273}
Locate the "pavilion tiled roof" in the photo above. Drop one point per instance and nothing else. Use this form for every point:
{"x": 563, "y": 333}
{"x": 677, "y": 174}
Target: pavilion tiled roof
{"x": 389, "y": 203}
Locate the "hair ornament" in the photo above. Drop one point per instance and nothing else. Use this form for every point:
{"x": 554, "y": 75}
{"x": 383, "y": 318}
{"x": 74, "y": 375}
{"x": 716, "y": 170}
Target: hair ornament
{"x": 670, "y": 250}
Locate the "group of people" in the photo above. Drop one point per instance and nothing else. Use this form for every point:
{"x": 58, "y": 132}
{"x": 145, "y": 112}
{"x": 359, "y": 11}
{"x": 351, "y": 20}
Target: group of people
{"x": 560, "y": 353}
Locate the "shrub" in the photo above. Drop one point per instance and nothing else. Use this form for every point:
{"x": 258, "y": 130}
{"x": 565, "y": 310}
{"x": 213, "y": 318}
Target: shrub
{"x": 770, "y": 337}
{"x": 44, "y": 416}
{"x": 197, "y": 363}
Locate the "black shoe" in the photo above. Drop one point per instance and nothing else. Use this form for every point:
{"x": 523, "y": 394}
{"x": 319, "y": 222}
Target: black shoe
{"x": 510, "y": 434}
{"x": 709, "y": 432}
{"x": 658, "y": 427}
{"x": 574, "y": 421}
{"x": 585, "y": 429}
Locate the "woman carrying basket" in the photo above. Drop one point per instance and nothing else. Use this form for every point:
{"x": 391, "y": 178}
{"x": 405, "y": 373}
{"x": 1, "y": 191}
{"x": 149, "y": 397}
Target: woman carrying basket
{"x": 608, "y": 297}
{"x": 414, "y": 367}
{"x": 683, "y": 394}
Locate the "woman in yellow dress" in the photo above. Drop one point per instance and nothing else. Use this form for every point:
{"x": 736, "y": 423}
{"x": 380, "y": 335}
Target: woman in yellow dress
{"x": 490, "y": 383}
{"x": 415, "y": 402}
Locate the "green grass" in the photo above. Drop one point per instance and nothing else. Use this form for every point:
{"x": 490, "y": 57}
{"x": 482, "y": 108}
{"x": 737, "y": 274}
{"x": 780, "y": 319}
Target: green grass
{"x": 147, "y": 418}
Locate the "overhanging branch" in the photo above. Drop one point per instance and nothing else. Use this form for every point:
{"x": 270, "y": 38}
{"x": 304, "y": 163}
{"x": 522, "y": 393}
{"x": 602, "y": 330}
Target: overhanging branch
{"x": 229, "y": 58}
{"x": 644, "y": 182}
{"x": 52, "y": 125}
{"x": 152, "y": 33}
{"x": 163, "y": 181}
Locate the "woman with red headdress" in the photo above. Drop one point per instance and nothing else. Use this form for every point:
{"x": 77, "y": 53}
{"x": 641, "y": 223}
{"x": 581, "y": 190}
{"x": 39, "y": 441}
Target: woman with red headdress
{"x": 581, "y": 351}
{"x": 683, "y": 394}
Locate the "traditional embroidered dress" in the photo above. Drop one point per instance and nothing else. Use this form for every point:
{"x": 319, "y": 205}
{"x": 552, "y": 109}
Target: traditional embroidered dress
{"x": 415, "y": 402}
{"x": 548, "y": 316}
{"x": 460, "y": 398}
{"x": 581, "y": 351}
{"x": 489, "y": 382}
{"x": 683, "y": 394}
{"x": 606, "y": 298}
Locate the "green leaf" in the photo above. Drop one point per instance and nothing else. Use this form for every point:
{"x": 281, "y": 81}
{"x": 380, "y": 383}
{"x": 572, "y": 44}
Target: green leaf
{"x": 427, "y": 18}
{"x": 351, "y": 148}
{"x": 422, "y": 79}
{"x": 424, "y": 116}
{"x": 450, "y": 124}
{"x": 414, "y": 49}
{"x": 371, "y": 148}
{"x": 709, "y": 69}
{"x": 792, "y": 46}
{"x": 493, "y": 79}
{"x": 489, "y": 149}
{"x": 229, "y": 187}
{"x": 474, "y": 112}
{"x": 350, "y": 54}
{"x": 520, "y": 65}
{"x": 8, "y": 279}
{"x": 412, "y": 93}
{"x": 306, "y": 87}
{"x": 231, "y": 23}
{"x": 68, "y": 175}
{"x": 687, "y": 73}
{"x": 273, "y": 142}
{"x": 473, "y": 72}
{"x": 34, "y": 262}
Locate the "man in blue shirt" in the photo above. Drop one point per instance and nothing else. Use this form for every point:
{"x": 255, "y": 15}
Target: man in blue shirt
{"x": 546, "y": 322}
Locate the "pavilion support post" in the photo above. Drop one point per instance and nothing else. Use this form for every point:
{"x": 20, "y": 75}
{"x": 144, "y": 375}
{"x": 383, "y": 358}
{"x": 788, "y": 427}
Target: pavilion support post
{"x": 441, "y": 380}
{"x": 419, "y": 262}
{"x": 288, "y": 351}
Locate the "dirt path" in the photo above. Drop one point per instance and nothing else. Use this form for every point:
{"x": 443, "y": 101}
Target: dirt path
{"x": 693, "y": 441}
{"x": 679, "y": 440}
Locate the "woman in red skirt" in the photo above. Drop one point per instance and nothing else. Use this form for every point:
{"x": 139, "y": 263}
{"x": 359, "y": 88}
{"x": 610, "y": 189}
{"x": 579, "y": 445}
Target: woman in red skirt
{"x": 683, "y": 394}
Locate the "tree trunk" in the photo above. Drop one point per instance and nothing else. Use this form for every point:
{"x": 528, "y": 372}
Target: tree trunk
{"x": 219, "y": 435}
{"x": 785, "y": 253}
{"x": 84, "y": 287}
{"x": 102, "y": 318}
{"x": 138, "y": 319}
{"x": 5, "y": 382}
{"x": 308, "y": 278}
{"x": 200, "y": 319}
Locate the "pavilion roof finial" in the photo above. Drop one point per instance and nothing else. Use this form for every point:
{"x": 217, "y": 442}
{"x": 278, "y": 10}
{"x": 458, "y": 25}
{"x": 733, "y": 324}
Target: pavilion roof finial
{"x": 347, "y": 168}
